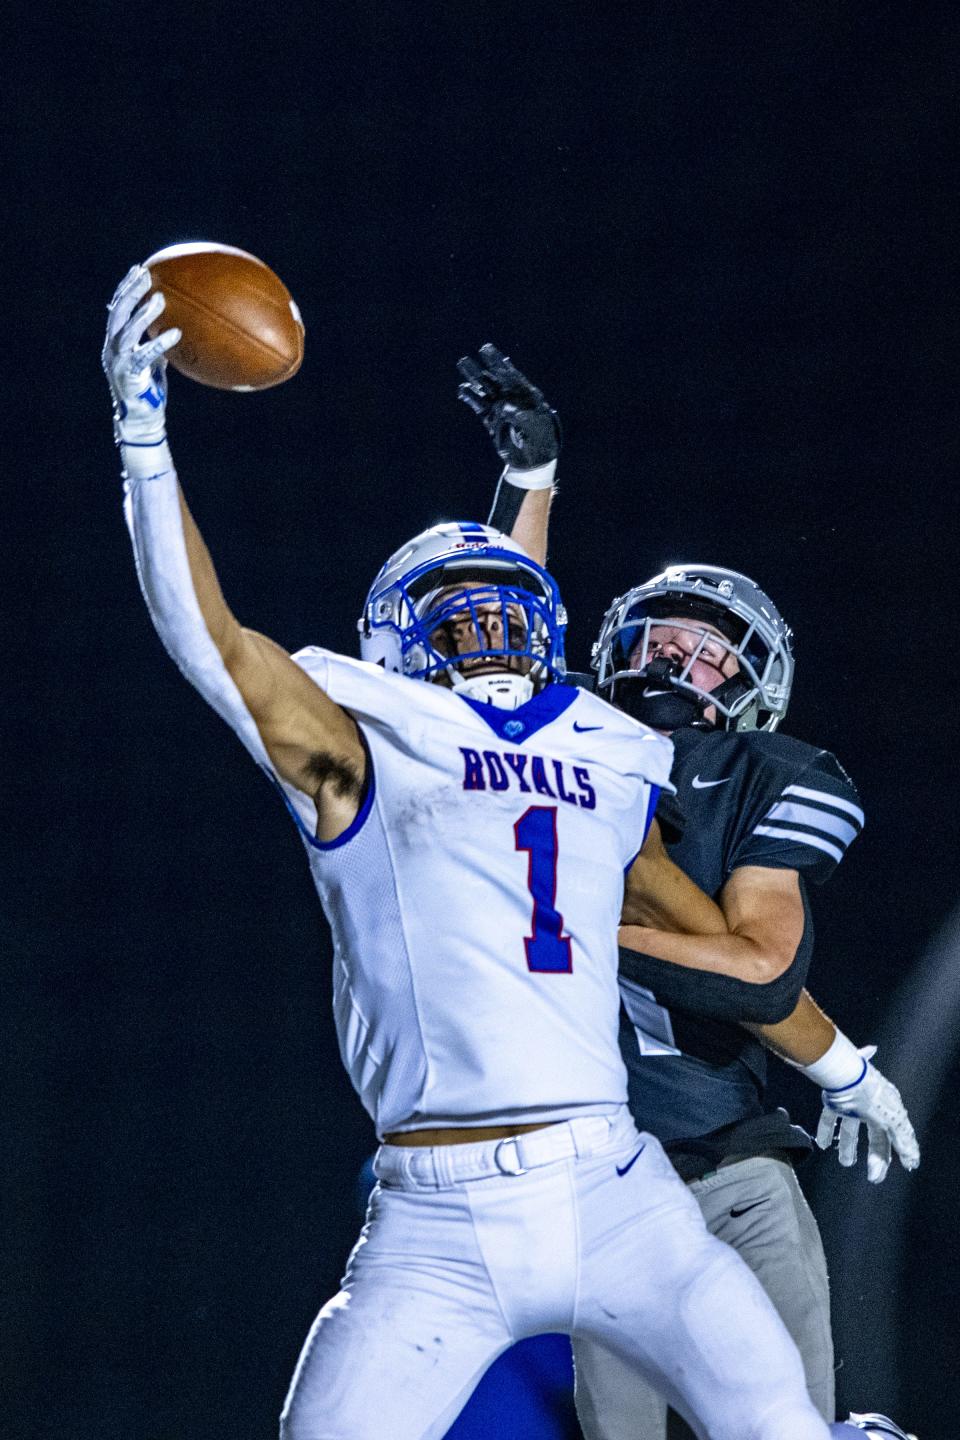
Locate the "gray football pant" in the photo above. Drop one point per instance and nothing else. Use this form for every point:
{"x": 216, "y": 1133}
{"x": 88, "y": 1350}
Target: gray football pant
{"x": 777, "y": 1236}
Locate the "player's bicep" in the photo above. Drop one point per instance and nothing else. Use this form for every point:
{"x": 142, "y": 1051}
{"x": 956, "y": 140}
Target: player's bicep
{"x": 765, "y": 906}
{"x": 303, "y": 730}
{"x": 659, "y": 896}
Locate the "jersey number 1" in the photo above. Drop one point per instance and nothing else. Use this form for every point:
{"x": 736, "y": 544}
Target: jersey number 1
{"x": 548, "y": 949}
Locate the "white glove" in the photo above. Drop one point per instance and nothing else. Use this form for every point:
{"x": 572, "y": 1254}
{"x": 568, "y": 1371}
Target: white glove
{"x": 875, "y": 1102}
{"x": 136, "y": 372}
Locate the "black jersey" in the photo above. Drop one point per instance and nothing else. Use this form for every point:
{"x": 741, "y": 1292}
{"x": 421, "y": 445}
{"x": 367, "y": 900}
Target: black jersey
{"x": 696, "y": 1078}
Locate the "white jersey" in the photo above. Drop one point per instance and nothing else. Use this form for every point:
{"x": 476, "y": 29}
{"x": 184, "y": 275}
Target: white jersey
{"x": 474, "y": 901}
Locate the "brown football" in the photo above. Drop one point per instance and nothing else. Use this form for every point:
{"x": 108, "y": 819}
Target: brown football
{"x": 241, "y": 327}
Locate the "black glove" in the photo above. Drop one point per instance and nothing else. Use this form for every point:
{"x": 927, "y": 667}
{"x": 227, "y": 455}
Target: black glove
{"x": 524, "y": 429}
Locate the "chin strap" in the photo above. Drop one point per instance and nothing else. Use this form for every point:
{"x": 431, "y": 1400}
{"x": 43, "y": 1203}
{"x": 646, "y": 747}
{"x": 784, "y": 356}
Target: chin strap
{"x": 503, "y": 689}
{"x": 729, "y": 691}
{"x": 649, "y": 697}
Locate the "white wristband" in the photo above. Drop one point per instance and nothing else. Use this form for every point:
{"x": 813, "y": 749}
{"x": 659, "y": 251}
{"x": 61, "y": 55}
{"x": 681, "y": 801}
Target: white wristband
{"x": 839, "y": 1067}
{"x": 539, "y": 479}
{"x": 146, "y": 462}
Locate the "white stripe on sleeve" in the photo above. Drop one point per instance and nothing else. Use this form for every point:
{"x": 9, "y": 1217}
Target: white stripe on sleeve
{"x": 818, "y": 819}
{"x": 813, "y": 840}
{"x": 823, "y": 798}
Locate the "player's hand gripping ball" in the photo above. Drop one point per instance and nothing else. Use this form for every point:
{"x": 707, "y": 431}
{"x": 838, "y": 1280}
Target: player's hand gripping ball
{"x": 241, "y": 329}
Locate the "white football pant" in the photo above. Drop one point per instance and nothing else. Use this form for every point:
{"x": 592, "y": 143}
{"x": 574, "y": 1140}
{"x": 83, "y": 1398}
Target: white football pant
{"x": 583, "y": 1227}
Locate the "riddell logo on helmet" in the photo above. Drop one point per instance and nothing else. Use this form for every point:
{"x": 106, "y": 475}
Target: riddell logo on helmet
{"x": 477, "y": 544}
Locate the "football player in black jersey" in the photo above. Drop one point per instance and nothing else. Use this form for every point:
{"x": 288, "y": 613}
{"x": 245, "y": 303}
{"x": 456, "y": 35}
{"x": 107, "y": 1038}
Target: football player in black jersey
{"x": 702, "y": 654}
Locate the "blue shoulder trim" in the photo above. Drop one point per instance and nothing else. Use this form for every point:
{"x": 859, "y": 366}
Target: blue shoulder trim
{"x": 366, "y": 805}
{"x": 651, "y": 811}
{"x": 518, "y": 725}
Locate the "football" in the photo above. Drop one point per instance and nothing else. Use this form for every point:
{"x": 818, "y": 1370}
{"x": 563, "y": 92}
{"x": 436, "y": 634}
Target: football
{"x": 241, "y": 327}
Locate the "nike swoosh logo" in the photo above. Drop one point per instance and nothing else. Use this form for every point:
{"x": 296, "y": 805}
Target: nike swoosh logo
{"x": 739, "y": 1210}
{"x": 580, "y": 729}
{"x": 699, "y": 784}
{"x": 632, "y": 1161}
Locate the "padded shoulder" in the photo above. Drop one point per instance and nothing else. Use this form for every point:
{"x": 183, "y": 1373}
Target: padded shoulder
{"x": 804, "y": 809}
{"x": 371, "y": 693}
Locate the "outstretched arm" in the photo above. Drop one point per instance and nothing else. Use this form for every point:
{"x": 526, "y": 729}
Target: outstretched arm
{"x": 526, "y": 435}
{"x": 283, "y": 717}
{"x": 530, "y": 527}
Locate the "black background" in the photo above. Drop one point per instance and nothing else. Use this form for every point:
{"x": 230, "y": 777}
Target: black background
{"x": 723, "y": 237}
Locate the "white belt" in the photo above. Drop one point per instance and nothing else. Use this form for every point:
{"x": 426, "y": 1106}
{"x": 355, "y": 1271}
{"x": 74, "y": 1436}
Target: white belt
{"x": 410, "y": 1167}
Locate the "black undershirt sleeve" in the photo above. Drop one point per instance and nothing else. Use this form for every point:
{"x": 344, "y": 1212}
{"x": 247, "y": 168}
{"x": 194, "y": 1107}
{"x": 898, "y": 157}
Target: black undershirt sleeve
{"x": 670, "y": 817}
{"x": 506, "y": 506}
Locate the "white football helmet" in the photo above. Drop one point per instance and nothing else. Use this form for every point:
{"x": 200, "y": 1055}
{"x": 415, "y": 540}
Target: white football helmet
{"x": 458, "y": 570}
{"x": 752, "y": 630}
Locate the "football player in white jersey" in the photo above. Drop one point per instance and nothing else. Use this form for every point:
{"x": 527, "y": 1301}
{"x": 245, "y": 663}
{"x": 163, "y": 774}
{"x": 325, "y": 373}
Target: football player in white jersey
{"x": 702, "y": 654}
{"x": 469, "y": 822}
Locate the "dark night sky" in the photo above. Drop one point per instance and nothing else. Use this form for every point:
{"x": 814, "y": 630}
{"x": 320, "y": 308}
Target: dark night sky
{"x": 723, "y": 238}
